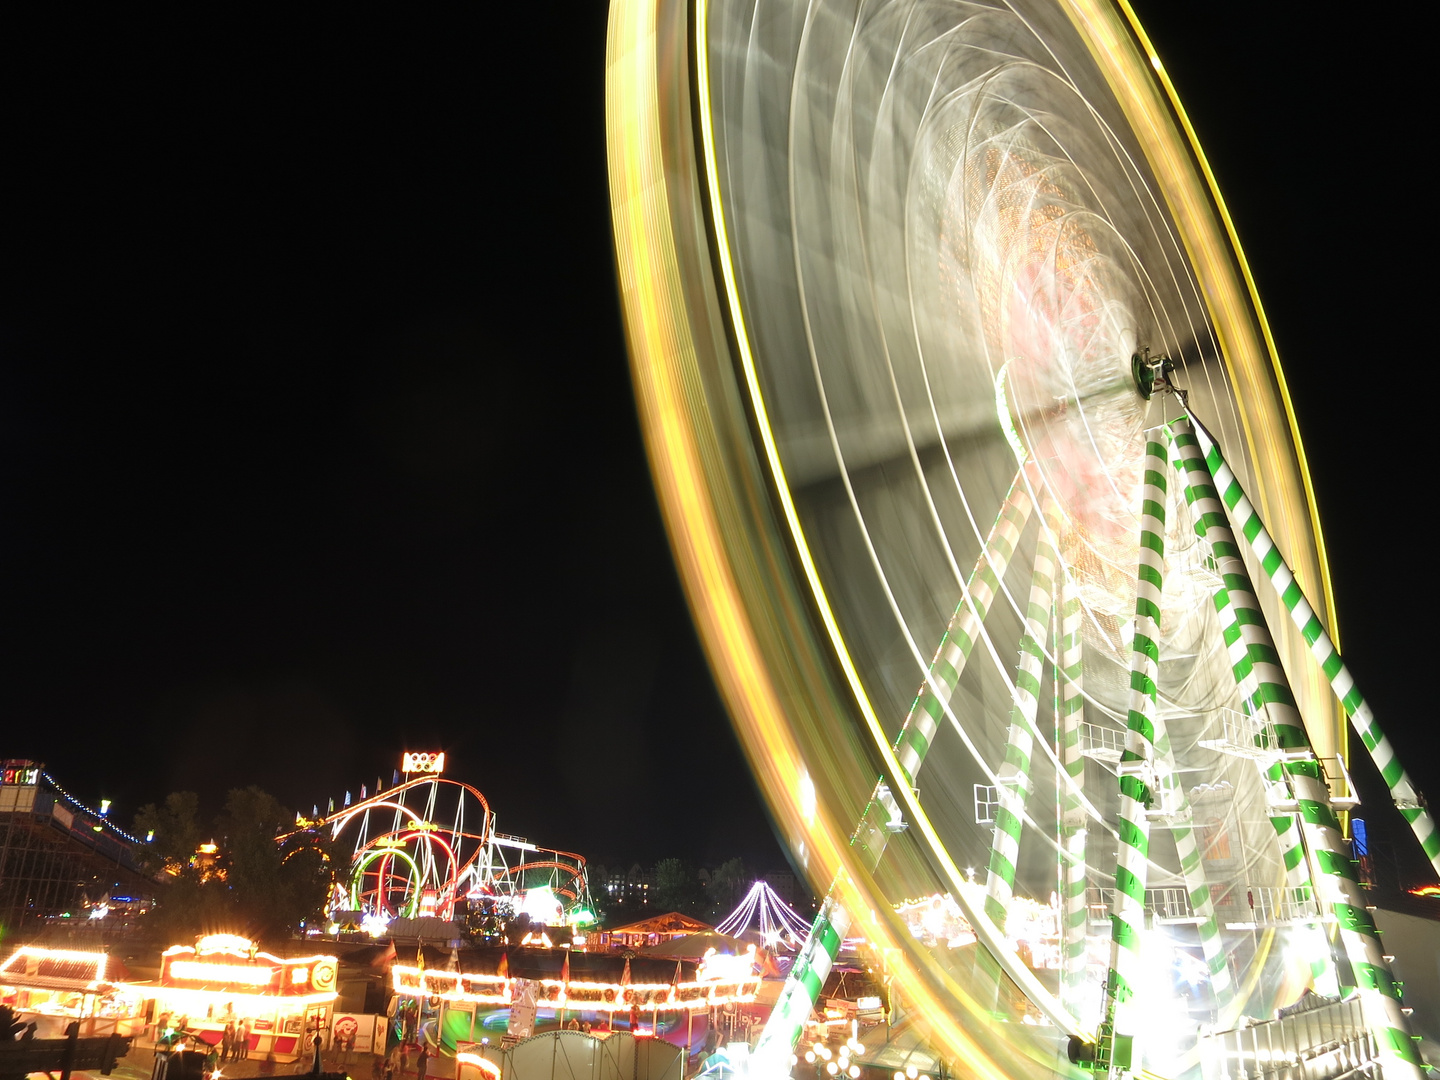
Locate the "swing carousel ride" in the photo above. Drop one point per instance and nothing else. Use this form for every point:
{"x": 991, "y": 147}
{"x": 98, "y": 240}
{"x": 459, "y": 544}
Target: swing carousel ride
{"x": 953, "y": 378}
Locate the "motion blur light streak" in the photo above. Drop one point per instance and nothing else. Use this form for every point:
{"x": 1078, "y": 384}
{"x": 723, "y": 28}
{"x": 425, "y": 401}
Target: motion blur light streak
{"x": 941, "y": 238}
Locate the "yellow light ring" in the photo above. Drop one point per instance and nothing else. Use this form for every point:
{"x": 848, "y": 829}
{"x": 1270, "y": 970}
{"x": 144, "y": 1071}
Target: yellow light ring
{"x": 753, "y": 611}
{"x": 749, "y": 578}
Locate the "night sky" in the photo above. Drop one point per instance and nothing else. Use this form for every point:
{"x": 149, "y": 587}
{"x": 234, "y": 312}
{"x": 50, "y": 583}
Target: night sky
{"x": 317, "y": 443}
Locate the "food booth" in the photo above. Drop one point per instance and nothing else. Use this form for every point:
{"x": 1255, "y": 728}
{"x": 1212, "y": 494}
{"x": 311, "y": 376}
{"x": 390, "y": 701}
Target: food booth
{"x": 51, "y": 988}
{"x": 275, "y": 1002}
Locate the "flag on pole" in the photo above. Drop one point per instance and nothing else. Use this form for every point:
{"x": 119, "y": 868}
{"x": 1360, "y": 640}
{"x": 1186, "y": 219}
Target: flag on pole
{"x": 565, "y": 978}
{"x": 503, "y": 968}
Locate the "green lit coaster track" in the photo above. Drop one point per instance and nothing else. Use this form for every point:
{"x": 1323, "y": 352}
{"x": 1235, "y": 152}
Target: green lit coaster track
{"x": 429, "y": 841}
{"x": 953, "y": 378}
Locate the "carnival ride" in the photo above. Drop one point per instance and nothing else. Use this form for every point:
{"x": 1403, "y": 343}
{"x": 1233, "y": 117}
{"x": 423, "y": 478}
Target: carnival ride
{"x": 927, "y": 301}
{"x": 765, "y": 913}
{"x": 429, "y": 841}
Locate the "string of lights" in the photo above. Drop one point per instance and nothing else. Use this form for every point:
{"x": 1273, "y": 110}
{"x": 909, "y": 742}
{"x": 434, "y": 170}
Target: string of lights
{"x": 99, "y": 815}
{"x": 762, "y": 909}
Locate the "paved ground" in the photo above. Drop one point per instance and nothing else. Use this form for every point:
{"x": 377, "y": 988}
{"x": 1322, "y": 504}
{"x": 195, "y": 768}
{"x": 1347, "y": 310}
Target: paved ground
{"x": 138, "y": 1063}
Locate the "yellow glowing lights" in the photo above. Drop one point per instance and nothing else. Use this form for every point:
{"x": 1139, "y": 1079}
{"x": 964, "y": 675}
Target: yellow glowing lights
{"x": 717, "y": 965}
{"x": 286, "y": 979}
{"x": 199, "y": 971}
{"x": 213, "y": 943}
{"x": 485, "y": 1065}
{"x": 433, "y": 763}
{"x": 20, "y": 961}
{"x": 596, "y": 996}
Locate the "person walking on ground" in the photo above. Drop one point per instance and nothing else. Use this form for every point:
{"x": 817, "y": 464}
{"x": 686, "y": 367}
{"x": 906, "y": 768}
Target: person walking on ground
{"x": 227, "y": 1041}
{"x": 422, "y": 1062}
{"x": 389, "y": 1072}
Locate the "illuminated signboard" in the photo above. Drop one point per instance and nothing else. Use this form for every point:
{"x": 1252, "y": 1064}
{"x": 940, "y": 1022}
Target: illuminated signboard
{"x": 227, "y": 963}
{"x": 27, "y": 773}
{"x": 423, "y": 763}
{"x": 197, "y": 971}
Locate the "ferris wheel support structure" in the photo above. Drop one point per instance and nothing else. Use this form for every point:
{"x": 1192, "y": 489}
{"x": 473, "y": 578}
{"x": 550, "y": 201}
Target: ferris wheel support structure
{"x": 838, "y": 227}
{"x": 812, "y": 964}
{"x": 1341, "y": 893}
{"x": 1402, "y": 789}
{"x": 1119, "y": 1025}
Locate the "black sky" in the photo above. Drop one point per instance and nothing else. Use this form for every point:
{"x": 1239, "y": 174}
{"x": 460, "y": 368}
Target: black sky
{"x": 316, "y": 439}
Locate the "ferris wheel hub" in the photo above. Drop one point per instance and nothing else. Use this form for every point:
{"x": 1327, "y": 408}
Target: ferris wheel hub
{"x": 1151, "y": 373}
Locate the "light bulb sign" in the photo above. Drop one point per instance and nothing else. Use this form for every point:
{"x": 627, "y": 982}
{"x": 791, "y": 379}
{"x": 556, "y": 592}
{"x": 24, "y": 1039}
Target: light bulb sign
{"x": 233, "y": 965}
{"x": 423, "y": 763}
{"x": 21, "y": 773}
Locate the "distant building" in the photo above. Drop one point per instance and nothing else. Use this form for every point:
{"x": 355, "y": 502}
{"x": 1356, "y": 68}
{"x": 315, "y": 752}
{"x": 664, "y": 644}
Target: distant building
{"x": 630, "y": 887}
{"x": 58, "y": 857}
{"x": 792, "y": 890}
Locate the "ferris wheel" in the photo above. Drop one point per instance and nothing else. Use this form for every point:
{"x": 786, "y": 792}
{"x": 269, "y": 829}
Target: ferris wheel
{"x": 953, "y": 378}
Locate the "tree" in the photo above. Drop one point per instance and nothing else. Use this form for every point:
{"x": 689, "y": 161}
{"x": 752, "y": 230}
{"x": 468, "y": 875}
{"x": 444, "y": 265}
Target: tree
{"x": 191, "y": 898}
{"x": 728, "y": 884}
{"x": 264, "y": 881}
{"x": 278, "y": 877}
{"x": 10, "y": 1028}
{"x": 676, "y": 888}
{"x": 176, "y": 830}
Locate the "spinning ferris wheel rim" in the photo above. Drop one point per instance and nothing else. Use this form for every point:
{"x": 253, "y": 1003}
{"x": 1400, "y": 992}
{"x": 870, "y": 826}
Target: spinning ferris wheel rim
{"x": 774, "y": 642}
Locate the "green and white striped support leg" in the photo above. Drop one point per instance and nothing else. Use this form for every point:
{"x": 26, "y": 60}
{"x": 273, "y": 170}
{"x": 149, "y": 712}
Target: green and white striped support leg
{"x": 1402, "y": 789}
{"x": 1192, "y": 868}
{"x": 928, "y": 710}
{"x": 771, "y": 1057}
{"x": 1263, "y": 693}
{"x": 1127, "y": 909}
{"x": 1341, "y": 893}
{"x": 1014, "y": 772}
{"x": 1069, "y": 714}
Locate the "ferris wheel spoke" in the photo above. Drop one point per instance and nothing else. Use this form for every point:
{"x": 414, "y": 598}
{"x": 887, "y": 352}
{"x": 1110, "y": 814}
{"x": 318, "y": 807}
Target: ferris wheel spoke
{"x": 1370, "y": 968}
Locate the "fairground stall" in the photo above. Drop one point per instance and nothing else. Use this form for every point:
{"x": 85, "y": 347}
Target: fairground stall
{"x": 51, "y": 988}
{"x": 223, "y": 980}
{"x": 492, "y": 993}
